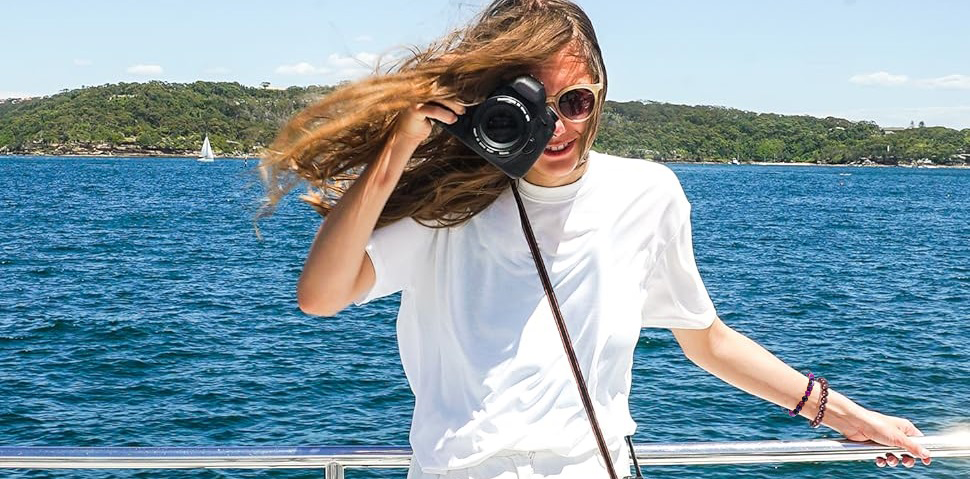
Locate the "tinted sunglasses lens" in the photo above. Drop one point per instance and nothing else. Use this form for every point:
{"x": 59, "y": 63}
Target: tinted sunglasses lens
{"x": 577, "y": 104}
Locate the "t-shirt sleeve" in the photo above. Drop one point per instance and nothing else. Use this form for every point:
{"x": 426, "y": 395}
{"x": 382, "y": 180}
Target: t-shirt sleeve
{"x": 675, "y": 296}
{"x": 397, "y": 251}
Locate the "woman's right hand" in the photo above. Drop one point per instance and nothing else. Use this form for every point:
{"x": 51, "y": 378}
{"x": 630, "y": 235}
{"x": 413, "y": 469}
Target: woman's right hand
{"x": 414, "y": 124}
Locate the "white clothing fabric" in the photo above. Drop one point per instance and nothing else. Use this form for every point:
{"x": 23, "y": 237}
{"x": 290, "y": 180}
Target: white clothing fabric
{"x": 534, "y": 465}
{"x": 477, "y": 338}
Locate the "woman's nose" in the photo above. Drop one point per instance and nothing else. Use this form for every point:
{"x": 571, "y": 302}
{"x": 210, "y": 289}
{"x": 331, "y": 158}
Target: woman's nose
{"x": 560, "y": 128}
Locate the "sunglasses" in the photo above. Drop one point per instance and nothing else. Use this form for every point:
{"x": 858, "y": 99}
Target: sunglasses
{"x": 575, "y": 103}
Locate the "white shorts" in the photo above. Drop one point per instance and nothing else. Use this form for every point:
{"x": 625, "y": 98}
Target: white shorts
{"x": 534, "y": 465}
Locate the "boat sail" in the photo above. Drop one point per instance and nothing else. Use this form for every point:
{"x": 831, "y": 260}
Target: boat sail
{"x": 206, "y": 153}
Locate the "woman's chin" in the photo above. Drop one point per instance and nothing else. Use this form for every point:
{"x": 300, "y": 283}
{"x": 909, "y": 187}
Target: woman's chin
{"x": 554, "y": 171}
{"x": 556, "y": 168}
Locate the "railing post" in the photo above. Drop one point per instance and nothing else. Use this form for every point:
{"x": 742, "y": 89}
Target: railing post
{"x": 334, "y": 471}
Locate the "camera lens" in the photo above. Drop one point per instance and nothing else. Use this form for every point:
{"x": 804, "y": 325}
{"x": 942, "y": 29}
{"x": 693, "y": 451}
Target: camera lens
{"x": 510, "y": 127}
{"x": 502, "y": 125}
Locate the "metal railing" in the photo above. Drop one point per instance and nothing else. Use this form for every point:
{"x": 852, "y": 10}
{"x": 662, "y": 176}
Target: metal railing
{"x": 335, "y": 459}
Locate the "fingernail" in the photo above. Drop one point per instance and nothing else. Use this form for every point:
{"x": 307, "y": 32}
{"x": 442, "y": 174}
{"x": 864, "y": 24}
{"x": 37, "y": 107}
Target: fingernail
{"x": 924, "y": 452}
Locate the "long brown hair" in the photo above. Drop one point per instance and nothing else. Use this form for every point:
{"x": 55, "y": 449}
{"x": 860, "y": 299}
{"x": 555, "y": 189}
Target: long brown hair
{"x": 329, "y": 143}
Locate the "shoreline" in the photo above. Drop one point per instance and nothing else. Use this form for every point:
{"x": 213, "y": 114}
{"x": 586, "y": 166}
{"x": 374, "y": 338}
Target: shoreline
{"x": 826, "y": 165}
{"x": 137, "y": 156}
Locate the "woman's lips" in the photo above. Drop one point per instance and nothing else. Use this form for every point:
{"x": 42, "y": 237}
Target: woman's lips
{"x": 553, "y": 153}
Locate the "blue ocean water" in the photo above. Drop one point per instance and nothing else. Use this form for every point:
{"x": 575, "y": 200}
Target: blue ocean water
{"x": 138, "y": 308}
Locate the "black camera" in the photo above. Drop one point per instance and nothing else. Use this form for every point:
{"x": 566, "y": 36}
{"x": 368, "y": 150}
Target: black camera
{"x": 510, "y": 128}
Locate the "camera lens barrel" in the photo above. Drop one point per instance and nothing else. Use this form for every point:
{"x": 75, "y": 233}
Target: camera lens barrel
{"x": 500, "y": 125}
{"x": 510, "y": 128}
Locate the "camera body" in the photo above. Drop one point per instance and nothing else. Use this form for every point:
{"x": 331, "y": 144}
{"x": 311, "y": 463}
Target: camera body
{"x": 510, "y": 128}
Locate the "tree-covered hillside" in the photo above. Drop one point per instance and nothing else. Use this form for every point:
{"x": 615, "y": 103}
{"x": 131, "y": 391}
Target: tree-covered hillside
{"x": 171, "y": 119}
{"x": 164, "y": 118}
{"x": 665, "y": 131}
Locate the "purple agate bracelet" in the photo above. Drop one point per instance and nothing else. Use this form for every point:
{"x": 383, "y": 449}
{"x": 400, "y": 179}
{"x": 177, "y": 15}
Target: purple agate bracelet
{"x": 808, "y": 392}
{"x": 822, "y": 401}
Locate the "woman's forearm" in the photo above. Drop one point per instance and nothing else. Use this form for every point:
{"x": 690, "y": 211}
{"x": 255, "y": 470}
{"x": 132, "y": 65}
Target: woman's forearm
{"x": 336, "y": 271}
{"x": 330, "y": 277}
{"x": 743, "y": 363}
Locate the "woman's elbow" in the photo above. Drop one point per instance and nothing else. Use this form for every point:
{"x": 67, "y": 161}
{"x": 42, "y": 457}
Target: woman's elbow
{"x": 329, "y": 295}
{"x": 698, "y": 345}
{"x": 319, "y": 304}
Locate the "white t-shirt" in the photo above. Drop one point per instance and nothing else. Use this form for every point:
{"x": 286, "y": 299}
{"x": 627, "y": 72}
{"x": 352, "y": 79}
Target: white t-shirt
{"x": 477, "y": 338}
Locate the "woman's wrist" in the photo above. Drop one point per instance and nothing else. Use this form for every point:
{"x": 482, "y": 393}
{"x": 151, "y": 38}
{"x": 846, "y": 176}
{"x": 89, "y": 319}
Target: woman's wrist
{"x": 839, "y": 410}
{"x": 405, "y": 141}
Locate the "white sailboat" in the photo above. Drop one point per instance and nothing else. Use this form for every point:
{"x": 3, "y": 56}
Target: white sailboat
{"x": 206, "y": 153}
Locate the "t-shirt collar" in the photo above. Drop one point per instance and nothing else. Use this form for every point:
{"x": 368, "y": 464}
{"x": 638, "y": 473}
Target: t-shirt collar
{"x": 556, "y": 194}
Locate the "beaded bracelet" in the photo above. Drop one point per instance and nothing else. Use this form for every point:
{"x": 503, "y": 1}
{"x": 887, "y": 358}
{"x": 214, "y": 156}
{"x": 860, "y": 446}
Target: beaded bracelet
{"x": 808, "y": 392}
{"x": 824, "y": 384}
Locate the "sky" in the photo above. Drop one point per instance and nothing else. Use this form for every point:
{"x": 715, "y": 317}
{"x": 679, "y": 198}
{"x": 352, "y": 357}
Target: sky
{"x": 888, "y": 61}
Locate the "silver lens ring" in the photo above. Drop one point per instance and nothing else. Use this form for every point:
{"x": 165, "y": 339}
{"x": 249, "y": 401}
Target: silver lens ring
{"x": 501, "y": 125}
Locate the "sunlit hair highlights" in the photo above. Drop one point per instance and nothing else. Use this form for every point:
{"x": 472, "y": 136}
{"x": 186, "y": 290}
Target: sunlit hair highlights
{"x": 329, "y": 143}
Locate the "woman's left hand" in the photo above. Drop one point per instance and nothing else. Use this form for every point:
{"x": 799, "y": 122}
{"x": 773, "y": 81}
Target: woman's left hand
{"x": 890, "y": 431}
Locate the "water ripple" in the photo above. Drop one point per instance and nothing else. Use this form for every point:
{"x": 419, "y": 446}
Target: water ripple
{"x": 144, "y": 311}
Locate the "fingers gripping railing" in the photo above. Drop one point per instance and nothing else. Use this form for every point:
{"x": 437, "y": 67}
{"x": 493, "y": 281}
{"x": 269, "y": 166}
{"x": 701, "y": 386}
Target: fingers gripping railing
{"x": 335, "y": 459}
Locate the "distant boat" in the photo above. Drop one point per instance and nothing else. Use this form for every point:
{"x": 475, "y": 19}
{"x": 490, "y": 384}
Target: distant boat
{"x": 206, "y": 153}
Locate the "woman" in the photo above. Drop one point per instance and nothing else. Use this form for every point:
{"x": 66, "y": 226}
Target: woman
{"x": 424, "y": 215}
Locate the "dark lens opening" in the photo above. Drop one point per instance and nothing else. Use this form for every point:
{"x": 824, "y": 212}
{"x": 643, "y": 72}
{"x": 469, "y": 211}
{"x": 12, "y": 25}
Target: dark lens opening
{"x": 502, "y": 124}
{"x": 577, "y": 104}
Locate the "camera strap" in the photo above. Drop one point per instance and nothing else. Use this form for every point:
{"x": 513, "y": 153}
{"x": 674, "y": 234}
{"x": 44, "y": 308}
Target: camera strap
{"x": 563, "y": 332}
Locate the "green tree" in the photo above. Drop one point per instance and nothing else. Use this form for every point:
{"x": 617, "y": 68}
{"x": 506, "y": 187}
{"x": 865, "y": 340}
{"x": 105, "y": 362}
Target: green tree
{"x": 770, "y": 149}
{"x": 148, "y": 139}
